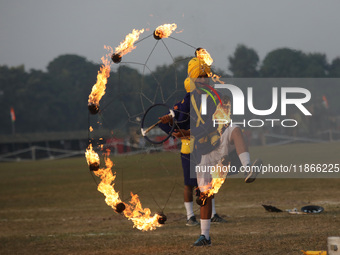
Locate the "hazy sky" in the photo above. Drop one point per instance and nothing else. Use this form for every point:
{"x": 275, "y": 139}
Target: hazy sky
{"x": 34, "y": 32}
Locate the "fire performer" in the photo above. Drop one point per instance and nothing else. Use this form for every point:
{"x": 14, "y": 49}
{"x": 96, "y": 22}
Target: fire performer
{"x": 215, "y": 146}
{"x": 182, "y": 116}
{"x": 228, "y": 142}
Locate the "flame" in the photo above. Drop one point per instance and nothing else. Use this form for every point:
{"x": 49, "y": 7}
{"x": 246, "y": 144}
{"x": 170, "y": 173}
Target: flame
{"x": 222, "y": 112}
{"x": 90, "y": 128}
{"x": 204, "y": 55}
{"x": 106, "y": 186}
{"x": 216, "y": 78}
{"x": 218, "y": 177}
{"x": 127, "y": 45}
{"x": 164, "y": 31}
{"x": 142, "y": 218}
{"x": 91, "y": 156}
{"x": 98, "y": 89}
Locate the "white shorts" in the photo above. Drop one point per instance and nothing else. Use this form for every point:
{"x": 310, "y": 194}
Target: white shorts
{"x": 211, "y": 159}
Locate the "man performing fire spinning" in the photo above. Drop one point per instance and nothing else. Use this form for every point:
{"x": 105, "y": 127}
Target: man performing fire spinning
{"x": 182, "y": 116}
{"x": 211, "y": 146}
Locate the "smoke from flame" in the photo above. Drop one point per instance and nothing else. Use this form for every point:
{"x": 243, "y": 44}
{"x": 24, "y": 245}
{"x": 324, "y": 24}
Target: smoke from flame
{"x": 164, "y": 31}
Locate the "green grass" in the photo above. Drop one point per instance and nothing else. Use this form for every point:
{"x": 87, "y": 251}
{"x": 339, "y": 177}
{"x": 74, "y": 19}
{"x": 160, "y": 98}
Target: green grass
{"x": 53, "y": 207}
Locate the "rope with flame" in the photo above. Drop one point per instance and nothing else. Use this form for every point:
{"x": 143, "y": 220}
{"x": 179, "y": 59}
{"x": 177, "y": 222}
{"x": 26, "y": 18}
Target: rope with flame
{"x": 132, "y": 210}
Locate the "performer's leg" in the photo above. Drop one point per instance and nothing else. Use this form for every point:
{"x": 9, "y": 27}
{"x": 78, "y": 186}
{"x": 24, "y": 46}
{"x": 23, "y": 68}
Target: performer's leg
{"x": 205, "y": 218}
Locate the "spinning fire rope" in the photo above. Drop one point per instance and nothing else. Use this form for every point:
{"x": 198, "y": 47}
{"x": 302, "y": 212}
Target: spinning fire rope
{"x": 134, "y": 211}
{"x": 126, "y": 46}
{"x": 98, "y": 90}
{"x": 141, "y": 217}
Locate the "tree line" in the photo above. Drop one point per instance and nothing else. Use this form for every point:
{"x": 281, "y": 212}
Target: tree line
{"x": 283, "y": 62}
{"x": 56, "y": 99}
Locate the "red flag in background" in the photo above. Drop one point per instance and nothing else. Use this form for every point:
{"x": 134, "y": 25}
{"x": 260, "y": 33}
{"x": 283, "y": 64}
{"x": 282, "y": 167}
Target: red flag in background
{"x": 325, "y": 101}
{"x": 12, "y": 114}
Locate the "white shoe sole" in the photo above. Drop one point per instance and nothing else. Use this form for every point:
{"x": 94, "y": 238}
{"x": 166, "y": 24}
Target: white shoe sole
{"x": 252, "y": 175}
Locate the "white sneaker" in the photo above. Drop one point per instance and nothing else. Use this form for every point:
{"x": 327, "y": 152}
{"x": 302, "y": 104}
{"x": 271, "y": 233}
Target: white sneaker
{"x": 254, "y": 170}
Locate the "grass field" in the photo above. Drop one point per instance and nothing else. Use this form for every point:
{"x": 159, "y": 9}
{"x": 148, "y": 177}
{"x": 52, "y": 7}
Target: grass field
{"x": 53, "y": 207}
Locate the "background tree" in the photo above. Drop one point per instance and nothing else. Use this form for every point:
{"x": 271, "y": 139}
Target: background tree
{"x": 13, "y": 82}
{"x": 72, "y": 78}
{"x": 56, "y": 100}
{"x": 316, "y": 66}
{"x": 244, "y": 62}
{"x": 334, "y": 69}
{"x": 283, "y": 63}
